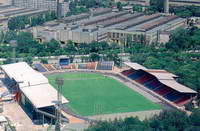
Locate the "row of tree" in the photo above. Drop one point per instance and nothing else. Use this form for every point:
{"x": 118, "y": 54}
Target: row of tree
{"x": 186, "y": 11}
{"x": 27, "y": 46}
{"x": 21, "y": 22}
{"x": 165, "y": 121}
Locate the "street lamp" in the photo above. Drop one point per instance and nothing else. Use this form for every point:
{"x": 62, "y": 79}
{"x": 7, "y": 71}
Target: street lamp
{"x": 13, "y": 44}
{"x": 59, "y": 81}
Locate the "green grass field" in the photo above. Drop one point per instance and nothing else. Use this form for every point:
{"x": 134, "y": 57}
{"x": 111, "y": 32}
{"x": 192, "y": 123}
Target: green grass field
{"x": 102, "y": 95}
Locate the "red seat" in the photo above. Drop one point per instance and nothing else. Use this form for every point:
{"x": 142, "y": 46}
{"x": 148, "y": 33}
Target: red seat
{"x": 128, "y": 72}
{"x": 163, "y": 91}
{"x": 182, "y": 100}
{"x": 49, "y": 67}
{"x": 91, "y": 66}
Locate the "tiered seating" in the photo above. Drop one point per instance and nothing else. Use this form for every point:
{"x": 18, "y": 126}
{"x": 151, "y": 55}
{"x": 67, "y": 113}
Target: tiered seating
{"x": 182, "y": 100}
{"x": 136, "y": 75}
{"x": 49, "y": 67}
{"x": 39, "y": 68}
{"x": 66, "y": 67}
{"x": 127, "y": 72}
{"x": 91, "y": 66}
{"x": 82, "y": 66}
{"x": 71, "y": 66}
{"x": 144, "y": 79}
{"x": 105, "y": 65}
{"x": 56, "y": 67}
{"x": 163, "y": 90}
{"x": 152, "y": 84}
{"x": 172, "y": 96}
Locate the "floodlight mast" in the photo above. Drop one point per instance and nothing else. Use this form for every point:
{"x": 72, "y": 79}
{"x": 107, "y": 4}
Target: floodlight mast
{"x": 59, "y": 82}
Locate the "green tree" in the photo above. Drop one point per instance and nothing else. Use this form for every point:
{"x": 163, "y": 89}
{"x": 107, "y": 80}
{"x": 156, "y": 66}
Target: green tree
{"x": 18, "y": 22}
{"x": 119, "y": 6}
{"x": 137, "y": 8}
{"x": 195, "y": 117}
{"x": 44, "y": 61}
{"x": 52, "y": 46}
{"x": 94, "y": 57}
{"x": 29, "y": 60}
{"x": 157, "y": 5}
{"x": 8, "y": 61}
{"x": 70, "y": 48}
{"x": 10, "y": 35}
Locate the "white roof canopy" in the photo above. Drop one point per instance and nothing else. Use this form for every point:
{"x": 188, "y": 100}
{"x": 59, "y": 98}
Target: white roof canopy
{"x": 34, "y": 85}
{"x": 42, "y": 95}
{"x": 176, "y": 86}
{"x": 135, "y": 66}
{"x": 163, "y": 76}
{"x": 23, "y": 74}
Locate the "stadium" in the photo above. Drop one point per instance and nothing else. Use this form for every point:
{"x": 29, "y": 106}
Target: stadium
{"x": 87, "y": 99}
{"x": 94, "y": 90}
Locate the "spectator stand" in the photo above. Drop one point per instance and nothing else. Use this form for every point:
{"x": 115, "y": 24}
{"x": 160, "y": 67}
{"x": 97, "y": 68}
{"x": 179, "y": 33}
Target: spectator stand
{"x": 161, "y": 83}
{"x": 105, "y": 65}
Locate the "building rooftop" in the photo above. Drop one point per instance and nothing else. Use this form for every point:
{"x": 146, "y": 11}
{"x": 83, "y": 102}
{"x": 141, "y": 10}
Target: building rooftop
{"x": 34, "y": 85}
{"x": 135, "y": 66}
{"x": 24, "y": 74}
{"x": 42, "y": 95}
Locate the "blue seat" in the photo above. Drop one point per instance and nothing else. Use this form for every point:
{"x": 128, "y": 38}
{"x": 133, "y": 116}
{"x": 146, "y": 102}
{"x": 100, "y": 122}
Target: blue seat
{"x": 153, "y": 85}
{"x": 40, "y": 68}
{"x": 82, "y": 66}
{"x": 173, "y": 97}
{"x": 105, "y": 65}
{"x": 136, "y": 75}
{"x": 159, "y": 88}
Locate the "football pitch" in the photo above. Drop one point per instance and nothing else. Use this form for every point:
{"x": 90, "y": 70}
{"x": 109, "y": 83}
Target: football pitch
{"x": 93, "y": 94}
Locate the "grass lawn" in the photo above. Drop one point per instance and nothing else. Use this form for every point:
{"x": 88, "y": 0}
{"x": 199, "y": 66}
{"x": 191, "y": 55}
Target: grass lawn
{"x": 102, "y": 95}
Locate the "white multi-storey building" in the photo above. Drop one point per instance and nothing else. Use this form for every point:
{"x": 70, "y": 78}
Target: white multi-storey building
{"x": 43, "y": 4}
